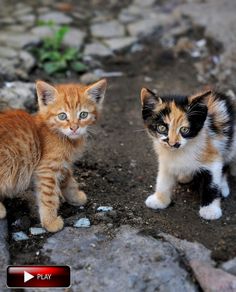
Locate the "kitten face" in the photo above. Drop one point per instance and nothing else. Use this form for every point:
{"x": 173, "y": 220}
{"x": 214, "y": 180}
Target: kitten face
{"x": 173, "y": 120}
{"x": 70, "y": 109}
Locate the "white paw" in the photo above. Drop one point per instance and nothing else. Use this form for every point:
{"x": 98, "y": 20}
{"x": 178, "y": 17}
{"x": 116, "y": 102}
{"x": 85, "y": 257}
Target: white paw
{"x": 212, "y": 211}
{"x": 225, "y": 189}
{"x": 154, "y": 202}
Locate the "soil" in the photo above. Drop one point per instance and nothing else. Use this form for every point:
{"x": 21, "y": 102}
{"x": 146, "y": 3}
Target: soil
{"x": 119, "y": 167}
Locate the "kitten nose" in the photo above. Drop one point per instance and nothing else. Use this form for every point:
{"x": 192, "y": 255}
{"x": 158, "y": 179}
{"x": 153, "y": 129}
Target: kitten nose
{"x": 74, "y": 127}
{"x": 176, "y": 145}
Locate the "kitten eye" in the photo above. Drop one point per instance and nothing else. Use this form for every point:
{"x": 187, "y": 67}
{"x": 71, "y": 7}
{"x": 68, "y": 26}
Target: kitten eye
{"x": 184, "y": 130}
{"x": 62, "y": 116}
{"x": 83, "y": 115}
{"x": 161, "y": 129}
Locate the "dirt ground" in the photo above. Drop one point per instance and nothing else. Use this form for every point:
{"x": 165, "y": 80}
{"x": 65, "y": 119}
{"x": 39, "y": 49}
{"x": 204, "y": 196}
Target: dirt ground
{"x": 119, "y": 167}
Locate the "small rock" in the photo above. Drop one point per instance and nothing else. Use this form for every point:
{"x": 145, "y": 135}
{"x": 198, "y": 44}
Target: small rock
{"x": 16, "y": 94}
{"x": 104, "y": 209}
{"x": 27, "y": 60}
{"x": 18, "y": 236}
{"x": 148, "y": 26}
{"x": 110, "y": 29}
{"x": 74, "y": 38}
{"x": 27, "y": 19}
{"x": 56, "y": 17}
{"x": 88, "y": 78}
{"x": 37, "y": 230}
{"x": 230, "y": 266}
{"x": 6, "y": 52}
{"x": 97, "y": 49}
{"x": 104, "y": 74}
{"x": 118, "y": 44}
{"x": 145, "y": 3}
{"x": 82, "y": 223}
{"x": 43, "y": 31}
{"x": 18, "y": 40}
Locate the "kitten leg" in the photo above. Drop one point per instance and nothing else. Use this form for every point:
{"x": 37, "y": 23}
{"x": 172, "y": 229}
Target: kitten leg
{"x": 70, "y": 189}
{"x": 211, "y": 193}
{"x": 3, "y": 211}
{"x": 48, "y": 200}
{"x": 225, "y": 187}
{"x": 162, "y": 196}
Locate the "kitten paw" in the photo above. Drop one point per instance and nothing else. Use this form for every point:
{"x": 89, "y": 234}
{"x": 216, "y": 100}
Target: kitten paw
{"x": 3, "y": 211}
{"x": 212, "y": 211}
{"x": 157, "y": 201}
{"x": 79, "y": 199}
{"x": 53, "y": 226}
{"x": 225, "y": 189}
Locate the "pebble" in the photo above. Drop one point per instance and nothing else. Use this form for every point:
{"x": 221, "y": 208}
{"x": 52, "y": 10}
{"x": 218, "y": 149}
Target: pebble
{"x": 110, "y": 29}
{"x": 104, "y": 209}
{"x": 103, "y": 74}
{"x": 56, "y": 17}
{"x": 97, "y": 49}
{"x": 88, "y": 78}
{"x": 118, "y": 44}
{"x": 82, "y": 223}
{"x": 37, "y": 230}
{"x": 18, "y": 236}
{"x": 74, "y": 38}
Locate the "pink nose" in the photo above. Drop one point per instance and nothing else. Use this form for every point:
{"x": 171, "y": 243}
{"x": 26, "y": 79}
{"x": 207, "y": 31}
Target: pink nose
{"x": 74, "y": 128}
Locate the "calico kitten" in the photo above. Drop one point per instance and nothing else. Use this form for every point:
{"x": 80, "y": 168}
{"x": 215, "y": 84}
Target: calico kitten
{"x": 40, "y": 149}
{"x": 192, "y": 136}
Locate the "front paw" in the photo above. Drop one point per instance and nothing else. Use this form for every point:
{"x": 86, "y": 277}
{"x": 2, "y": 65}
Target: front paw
{"x": 78, "y": 199}
{"x": 53, "y": 225}
{"x": 157, "y": 201}
{"x": 212, "y": 211}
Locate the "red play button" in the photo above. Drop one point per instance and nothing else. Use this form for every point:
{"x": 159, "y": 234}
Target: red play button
{"x": 38, "y": 276}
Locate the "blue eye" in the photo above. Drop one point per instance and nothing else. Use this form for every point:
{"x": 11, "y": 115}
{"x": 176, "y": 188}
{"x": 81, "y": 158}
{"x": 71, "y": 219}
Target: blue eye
{"x": 62, "y": 116}
{"x": 83, "y": 115}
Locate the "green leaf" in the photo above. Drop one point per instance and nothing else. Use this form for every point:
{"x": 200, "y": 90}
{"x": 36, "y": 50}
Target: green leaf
{"x": 53, "y": 67}
{"x": 59, "y": 35}
{"x": 79, "y": 67}
{"x": 50, "y": 55}
{"x": 70, "y": 54}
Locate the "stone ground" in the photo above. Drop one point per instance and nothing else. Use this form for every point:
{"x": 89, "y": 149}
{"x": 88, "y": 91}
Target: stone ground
{"x": 175, "y": 46}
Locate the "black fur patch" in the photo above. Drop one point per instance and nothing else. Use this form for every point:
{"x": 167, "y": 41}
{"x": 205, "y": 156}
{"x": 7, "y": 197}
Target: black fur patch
{"x": 209, "y": 191}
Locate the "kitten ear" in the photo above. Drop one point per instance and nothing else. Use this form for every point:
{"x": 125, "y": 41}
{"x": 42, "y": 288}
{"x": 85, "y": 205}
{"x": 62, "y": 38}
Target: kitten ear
{"x": 202, "y": 97}
{"x": 46, "y": 93}
{"x": 97, "y": 90}
{"x": 149, "y": 97}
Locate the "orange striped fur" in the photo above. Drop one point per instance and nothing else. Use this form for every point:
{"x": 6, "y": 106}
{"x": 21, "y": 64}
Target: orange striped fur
{"x": 41, "y": 149}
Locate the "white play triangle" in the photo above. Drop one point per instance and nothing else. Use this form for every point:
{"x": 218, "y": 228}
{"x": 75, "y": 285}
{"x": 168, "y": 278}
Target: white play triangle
{"x": 27, "y": 276}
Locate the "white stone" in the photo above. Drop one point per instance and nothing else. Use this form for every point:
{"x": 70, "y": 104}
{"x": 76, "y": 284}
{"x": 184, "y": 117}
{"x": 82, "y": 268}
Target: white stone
{"x": 82, "y": 223}
{"x": 104, "y": 209}
{"x": 144, "y": 3}
{"x": 118, "y": 44}
{"x": 97, "y": 49}
{"x": 18, "y": 236}
{"x": 108, "y": 29}
{"x": 56, "y": 17}
{"x": 37, "y": 230}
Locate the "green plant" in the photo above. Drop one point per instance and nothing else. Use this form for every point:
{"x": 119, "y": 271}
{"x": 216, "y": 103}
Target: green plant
{"x": 53, "y": 57}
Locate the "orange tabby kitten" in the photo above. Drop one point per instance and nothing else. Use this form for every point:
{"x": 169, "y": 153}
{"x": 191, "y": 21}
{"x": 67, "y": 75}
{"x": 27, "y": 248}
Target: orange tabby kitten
{"x": 41, "y": 148}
